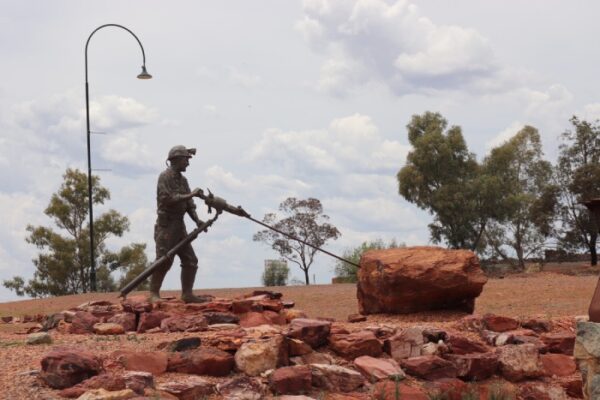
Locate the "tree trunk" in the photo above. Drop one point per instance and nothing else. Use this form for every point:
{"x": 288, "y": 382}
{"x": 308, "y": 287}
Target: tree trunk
{"x": 521, "y": 261}
{"x": 306, "y": 276}
{"x": 592, "y": 247}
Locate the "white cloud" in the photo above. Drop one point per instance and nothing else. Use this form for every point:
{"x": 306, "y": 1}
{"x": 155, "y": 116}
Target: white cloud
{"x": 591, "y": 112}
{"x": 393, "y": 43}
{"x": 114, "y": 113}
{"x": 504, "y": 135}
{"x": 350, "y": 144}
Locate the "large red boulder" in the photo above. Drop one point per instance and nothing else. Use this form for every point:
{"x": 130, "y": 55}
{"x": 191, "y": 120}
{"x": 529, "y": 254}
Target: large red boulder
{"x": 411, "y": 279}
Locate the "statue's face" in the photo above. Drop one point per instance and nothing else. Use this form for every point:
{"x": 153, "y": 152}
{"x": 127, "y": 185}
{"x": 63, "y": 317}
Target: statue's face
{"x": 180, "y": 163}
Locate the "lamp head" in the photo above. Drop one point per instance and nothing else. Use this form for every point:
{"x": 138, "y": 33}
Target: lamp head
{"x": 144, "y": 74}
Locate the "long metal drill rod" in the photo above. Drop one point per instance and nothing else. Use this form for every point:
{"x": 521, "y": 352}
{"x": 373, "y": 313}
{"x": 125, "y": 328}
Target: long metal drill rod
{"x": 301, "y": 241}
{"x": 171, "y": 253}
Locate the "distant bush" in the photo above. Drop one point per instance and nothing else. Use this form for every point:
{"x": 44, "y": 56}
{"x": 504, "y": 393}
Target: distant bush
{"x": 346, "y": 272}
{"x": 276, "y": 273}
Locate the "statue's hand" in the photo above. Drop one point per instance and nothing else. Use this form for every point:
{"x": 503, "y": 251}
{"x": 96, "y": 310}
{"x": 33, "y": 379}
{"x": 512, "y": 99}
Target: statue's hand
{"x": 199, "y": 222}
{"x": 197, "y": 192}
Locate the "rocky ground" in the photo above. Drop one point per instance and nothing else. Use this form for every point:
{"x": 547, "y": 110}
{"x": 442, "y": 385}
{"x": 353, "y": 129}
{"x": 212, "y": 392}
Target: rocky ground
{"x": 252, "y": 347}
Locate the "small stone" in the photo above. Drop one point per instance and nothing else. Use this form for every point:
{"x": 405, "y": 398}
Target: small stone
{"x": 254, "y": 358}
{"x": 181, "y": 344}
{"x": 311, "y": 331}
{"x": 429, "y": 367}
{"x": 188, "y": 388}
{"x": 202, "y": 361}
{"x": 138, "y": 381}
{"x": 519, "y": 362}
{"x": 103, "y": 394}
{"x": 353, "y": 318}
{"x": 291, "y": 380}
{"x": 498, "y": 323}
{"x": 335, "y": 378}
{"x": 39, "y": 338}
{"x": 222, "y": 327}
{"x": 62, "y": 368}
{"x": 126, "y": 320}
{"x": 108, "y": 328}
{"x": 350, "y": 346}
{"x": 376, "y": 369}
{"x": 242, "y": 388}
{"x": 154, "y": 362}
{"x": 558, "y": 364}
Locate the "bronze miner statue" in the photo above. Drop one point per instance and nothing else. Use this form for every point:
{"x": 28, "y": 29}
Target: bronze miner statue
{"x": 174, "y": 199}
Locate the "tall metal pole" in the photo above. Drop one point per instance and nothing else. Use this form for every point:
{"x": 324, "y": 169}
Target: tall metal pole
{"x": 143, "y": 75}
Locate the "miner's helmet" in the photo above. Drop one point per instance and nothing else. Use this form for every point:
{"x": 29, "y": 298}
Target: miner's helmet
{"x": 181, "y": 151}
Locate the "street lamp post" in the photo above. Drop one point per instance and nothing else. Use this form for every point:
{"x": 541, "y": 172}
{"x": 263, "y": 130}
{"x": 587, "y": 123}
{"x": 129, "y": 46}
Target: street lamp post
{"x": 143, "y": 75}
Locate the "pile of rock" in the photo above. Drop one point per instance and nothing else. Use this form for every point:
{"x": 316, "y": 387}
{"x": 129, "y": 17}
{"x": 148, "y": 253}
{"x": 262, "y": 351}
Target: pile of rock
{"x": 260, "y": 347}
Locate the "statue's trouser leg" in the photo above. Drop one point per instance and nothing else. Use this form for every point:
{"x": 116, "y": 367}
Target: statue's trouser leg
{"x": 189, "y": 266}
{"x": 163, "y": 237}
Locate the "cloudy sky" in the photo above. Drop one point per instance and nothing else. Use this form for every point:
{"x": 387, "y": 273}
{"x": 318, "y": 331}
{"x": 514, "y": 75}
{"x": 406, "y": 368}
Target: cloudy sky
{"x": 281, "y": 98}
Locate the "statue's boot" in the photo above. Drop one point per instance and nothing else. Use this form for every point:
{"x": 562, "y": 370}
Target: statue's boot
{"x": 188, "y": 275}
{"x": 156, "y": 281}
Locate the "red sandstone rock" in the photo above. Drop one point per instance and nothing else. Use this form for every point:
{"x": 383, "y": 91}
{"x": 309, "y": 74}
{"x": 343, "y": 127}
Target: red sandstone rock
{"x": 202, "y": 361}
{"x": 518, "y": 362}
{"x": 311, "y": 331}
{"x": 540, "y": 391}
{"x": 241, "y": 306}
{"x": 297, "y": 347}
{"x": 414, "y": 279}
{"x": 108, "y": 328}
{"x": 475, "y": 366}
{"x": 376, "y": 369}
{"x": 107, "y": 381}
{"x": 292, "y": 313}
{"x": 151, "y": 320}
{"x": 126, "y": 320}
{"x": 291, "y": 380}
{"x": 83, "y": 322}
{"x": 537, "y": 325}
{"x": 242, "y": 387}
{"x": 405, "y": 344}
{"x": 271, "y": 305}
{"x": 498, "y": 323}
{"x": 387, "y": 390}
{"x": 215, "y": 317}
{"x": 429, "y": 367}
{"x": 188, "y": 343}
{"x": 573, "y": 386}
{"x": 353, "y": 318}
{"x": 559, "y": 342}
{"x": 136, "y": 304}
{"x": 154, "y": 362}
{"x": 312, "y": 358}
{"x": 184, "y": 323}
{"x": 464, "y": 345}
{"x": 252, "y": 318}
{"x": 256, "y": 357}
{"x": 558, "y": 364}
{"x": 188, "y": 388}
{"x": 350, "y": 346}
{"x": 62, "y": 368}
{"x": 450, "y": 388}
{"x": 138, "y": 381}
{"x": 274, "y": 317}
{"x": 335, "y": 378}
